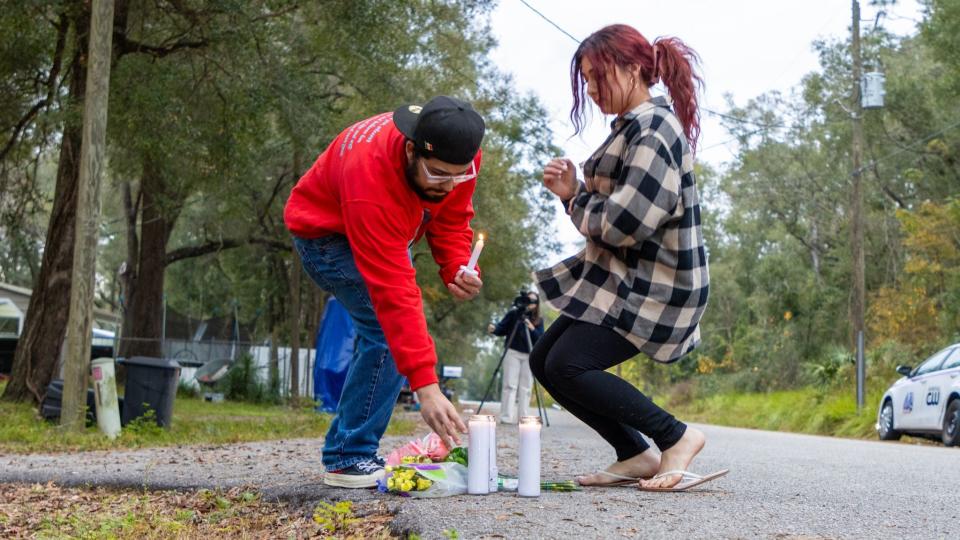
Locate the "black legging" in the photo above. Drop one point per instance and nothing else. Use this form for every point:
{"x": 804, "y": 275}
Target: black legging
{"x": 570, "y": 362}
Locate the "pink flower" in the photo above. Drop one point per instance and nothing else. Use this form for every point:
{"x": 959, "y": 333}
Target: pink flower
{"x": 431, "y": 446}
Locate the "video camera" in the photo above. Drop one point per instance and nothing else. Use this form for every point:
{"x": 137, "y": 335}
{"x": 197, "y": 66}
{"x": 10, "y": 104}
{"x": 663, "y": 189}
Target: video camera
{"x": 522, "y": 300}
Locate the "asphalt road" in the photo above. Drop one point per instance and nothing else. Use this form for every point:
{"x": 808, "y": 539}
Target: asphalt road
{"x": 780, "y": 486}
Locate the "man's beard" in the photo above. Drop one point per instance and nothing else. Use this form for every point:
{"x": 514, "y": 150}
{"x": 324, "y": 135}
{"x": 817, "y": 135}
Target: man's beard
{"x": 411, "y": 174}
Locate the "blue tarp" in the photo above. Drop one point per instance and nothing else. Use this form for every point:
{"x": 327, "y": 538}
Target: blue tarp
{"x": 334, "y": 346}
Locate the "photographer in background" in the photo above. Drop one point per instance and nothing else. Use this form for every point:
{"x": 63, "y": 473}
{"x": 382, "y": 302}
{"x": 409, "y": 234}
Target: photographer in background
{"x": 517, "y": 378}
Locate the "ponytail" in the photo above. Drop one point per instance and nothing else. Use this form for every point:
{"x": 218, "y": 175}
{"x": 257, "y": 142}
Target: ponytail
{"x": 674, "y": 64}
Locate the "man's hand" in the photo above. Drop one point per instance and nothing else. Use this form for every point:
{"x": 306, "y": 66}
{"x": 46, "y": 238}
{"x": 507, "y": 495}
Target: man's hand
{"x": 491, "y": 328}
{"x": 465, "y": 286}
{"x": 440, "y": 415}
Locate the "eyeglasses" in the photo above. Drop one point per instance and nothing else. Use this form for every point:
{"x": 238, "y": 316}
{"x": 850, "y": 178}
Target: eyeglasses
{"x": 444, "y": 178}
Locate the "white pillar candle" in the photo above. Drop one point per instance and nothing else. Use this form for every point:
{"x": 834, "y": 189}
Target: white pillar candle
{"x": 478, "y": 456}
{"x": 492, "y": 420}
{"x": 528, "y": 481}
{"x": 471, "y": 267}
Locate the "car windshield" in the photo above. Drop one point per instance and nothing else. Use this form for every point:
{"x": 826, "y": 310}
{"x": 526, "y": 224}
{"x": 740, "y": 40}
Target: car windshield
{"x": 952, "y": 362}
{"x": 933, "y": 363}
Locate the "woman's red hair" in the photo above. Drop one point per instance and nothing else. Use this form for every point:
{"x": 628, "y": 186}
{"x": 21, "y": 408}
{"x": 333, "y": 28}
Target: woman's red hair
{"x": 668, "y": 60}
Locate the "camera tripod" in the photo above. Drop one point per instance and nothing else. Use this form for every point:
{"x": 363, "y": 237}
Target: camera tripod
{"x": 520, "y": 323}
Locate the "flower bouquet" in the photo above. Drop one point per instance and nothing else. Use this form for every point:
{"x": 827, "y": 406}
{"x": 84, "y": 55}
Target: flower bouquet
{"x": 417, "y": 476}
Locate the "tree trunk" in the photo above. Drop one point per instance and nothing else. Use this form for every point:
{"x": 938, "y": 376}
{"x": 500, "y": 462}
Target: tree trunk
{"x": 38, "y": 350}
{"x": 128, "y": 271}
{"x": 143, "y": 320}
{"x": 295, "y": 272}
{"x": 274, "y": 376}
{"x": 814, "y": 251}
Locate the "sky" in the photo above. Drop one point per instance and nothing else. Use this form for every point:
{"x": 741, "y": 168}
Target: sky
{"x": 746, "y": 47}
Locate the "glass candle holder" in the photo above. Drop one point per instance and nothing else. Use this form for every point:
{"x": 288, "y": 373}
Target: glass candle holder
{"x": 528, "y": 478}
{"x": 492, "y": 452}
{"x": 478, "y": 455}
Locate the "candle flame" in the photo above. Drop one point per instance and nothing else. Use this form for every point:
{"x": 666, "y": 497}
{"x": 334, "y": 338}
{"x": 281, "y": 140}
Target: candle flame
{"x": 481, "y": 237}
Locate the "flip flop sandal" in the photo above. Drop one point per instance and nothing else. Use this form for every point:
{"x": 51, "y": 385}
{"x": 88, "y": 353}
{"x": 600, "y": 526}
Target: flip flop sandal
{"x": 619, "y": 480}
{"x": 688, "y": 480}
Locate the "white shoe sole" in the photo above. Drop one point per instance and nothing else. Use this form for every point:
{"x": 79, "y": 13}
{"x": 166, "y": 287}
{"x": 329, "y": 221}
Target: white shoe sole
{"x": 352, "y": 481}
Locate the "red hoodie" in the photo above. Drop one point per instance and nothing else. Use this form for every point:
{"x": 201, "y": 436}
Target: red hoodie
{"x": 357, "y": 188}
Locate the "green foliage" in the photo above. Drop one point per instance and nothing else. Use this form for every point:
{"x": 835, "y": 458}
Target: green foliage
{"x": 185, "y": 390}
{"x": 335, "y": 517}
{"x": 826, "y": 370}
{"x": 458, "y": 455}
{"x": 143, "y": 428}
{"x": 241, "y": 383}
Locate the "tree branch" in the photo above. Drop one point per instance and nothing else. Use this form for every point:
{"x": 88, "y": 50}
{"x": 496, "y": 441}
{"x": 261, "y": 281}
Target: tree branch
{"x": 274, "y": 14}
{"x": 62, "y": 27}
{"x": 127, "y": 46}
{"x": 215, "y": 246}
{"x": 26, "y": 119}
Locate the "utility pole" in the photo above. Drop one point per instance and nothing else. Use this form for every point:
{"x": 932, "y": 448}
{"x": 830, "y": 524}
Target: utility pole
{"x": 92, "y": 150}
{"x": 856, "y": 209}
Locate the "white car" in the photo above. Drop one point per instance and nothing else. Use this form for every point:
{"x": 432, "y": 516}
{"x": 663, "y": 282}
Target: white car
{"x": 926, "y": 401}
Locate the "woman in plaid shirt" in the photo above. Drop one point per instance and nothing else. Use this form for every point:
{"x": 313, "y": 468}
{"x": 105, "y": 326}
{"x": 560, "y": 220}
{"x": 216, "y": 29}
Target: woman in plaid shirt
{"x": 641, "y": 282}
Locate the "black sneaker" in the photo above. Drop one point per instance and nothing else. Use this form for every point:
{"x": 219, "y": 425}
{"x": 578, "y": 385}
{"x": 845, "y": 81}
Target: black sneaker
{"x": 363, "y": 474}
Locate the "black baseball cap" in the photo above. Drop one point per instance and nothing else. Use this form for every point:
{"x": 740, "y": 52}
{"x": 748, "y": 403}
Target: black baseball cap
{"x": 445, "y": 128}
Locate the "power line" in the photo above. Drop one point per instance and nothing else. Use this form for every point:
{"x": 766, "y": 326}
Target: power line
{"x": 730, "y": 140}
{"x": 910, "y": 146}
{"x": 555, "y": 25}
{"x": 742, "y": 120}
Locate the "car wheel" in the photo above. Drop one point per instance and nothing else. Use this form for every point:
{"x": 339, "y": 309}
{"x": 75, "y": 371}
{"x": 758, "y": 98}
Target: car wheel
{"x": 951, "y": 424}
{"x": 885, "y": 430}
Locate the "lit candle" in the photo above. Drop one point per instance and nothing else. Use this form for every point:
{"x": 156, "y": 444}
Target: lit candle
{"x": 471, "y": 266}
{"x": 478, "y": 456}
{"x": 528, "y": 481}
{"x": 492, "y": 420}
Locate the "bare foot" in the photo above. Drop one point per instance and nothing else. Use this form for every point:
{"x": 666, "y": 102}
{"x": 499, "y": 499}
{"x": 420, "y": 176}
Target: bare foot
{"x": 677, "y": 458}
{"x": 642, "y": 465}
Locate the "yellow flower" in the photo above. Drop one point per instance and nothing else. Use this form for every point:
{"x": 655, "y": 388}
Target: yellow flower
{"x": 423, "y": 484}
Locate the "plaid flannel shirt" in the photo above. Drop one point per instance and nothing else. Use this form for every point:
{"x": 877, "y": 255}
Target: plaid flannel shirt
{"x": 643, "y": 272}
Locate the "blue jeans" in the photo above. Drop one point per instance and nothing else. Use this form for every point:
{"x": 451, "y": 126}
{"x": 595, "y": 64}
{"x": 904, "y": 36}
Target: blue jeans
{"x": 373, "y": 382}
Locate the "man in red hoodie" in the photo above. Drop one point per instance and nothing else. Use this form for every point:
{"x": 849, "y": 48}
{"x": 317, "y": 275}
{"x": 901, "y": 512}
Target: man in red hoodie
{"x": 379, "y": 187}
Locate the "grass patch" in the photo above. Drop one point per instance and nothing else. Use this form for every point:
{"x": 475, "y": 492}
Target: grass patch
{"x": 194, "y": 422}
{"x": 802, "y": 411}
{"x": 48, "y": 511}
{"x": 807, "y": 410}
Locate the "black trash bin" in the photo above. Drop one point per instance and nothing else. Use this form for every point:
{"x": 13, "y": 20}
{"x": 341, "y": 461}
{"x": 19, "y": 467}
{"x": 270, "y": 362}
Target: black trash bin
{"x": 151, "y": 385}
{"x": 53, "y": 402}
